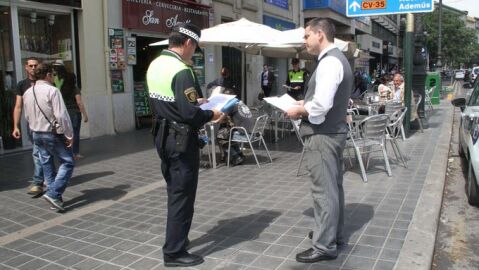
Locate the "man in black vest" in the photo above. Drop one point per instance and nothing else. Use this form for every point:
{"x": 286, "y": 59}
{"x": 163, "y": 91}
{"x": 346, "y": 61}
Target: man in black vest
{"x": 324, "y": 127}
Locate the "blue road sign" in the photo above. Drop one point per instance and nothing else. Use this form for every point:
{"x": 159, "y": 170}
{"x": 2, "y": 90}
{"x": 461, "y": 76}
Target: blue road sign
{"x": 385, "y": 7}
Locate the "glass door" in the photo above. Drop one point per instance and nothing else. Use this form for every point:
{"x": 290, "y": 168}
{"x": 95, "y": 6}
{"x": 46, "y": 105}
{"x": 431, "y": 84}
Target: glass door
{"x": 7, "y": 81}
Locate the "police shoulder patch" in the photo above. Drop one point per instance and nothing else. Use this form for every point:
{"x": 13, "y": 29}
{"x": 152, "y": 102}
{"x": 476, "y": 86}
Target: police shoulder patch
{"x": 191, "y": 94}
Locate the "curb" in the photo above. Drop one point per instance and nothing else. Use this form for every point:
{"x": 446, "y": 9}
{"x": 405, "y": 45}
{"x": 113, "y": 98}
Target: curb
{"x": 418, "y": 249}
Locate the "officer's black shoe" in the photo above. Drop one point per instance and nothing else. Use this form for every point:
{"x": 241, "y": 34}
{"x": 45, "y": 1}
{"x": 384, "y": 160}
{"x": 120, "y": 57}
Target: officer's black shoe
{"x": 311, "y": 256}
{"x": 184, "y": 260}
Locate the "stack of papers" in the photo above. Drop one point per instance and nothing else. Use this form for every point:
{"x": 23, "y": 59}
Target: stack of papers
{"x": 284, "y": 103}
{"x": 220, "y": 102}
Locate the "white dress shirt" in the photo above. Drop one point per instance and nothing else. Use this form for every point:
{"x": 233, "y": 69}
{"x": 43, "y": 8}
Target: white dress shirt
{"x": 329, "y": 74}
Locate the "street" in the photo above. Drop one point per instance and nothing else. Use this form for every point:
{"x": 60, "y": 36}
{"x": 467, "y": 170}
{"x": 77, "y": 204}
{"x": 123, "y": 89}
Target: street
{"x": 457, "y": 241}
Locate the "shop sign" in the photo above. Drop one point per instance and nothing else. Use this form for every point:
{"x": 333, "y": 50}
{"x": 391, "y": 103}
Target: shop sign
{"x": 277, "y": 23}
{"x": 162, "y": 15}
{"x": 279, "y": 3}
{"x": 337, "y": 5}
{"x": 70, "y": 3}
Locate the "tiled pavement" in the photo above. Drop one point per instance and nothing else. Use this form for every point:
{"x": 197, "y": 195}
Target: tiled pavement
{"x": 245, "y": 217}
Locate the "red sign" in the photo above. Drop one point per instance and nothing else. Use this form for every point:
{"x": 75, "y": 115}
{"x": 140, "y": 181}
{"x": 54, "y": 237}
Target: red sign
{"x": 162, "y": 15}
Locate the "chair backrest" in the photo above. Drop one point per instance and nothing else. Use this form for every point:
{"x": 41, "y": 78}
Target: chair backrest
{"x": 396, "y": 121}
{"x": 418, "y": 98}
{"x": 391, "y": 107}
{"x": 259, "y": 126}
{"x": 374, "y": 127}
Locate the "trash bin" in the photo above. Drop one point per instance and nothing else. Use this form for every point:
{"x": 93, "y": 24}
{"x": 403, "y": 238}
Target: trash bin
{"x": 434, "y": 79}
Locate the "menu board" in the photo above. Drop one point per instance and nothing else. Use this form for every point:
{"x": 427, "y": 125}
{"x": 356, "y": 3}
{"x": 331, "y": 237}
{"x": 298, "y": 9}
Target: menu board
{"x": 142, "y": 104}
{"x": 117, "y": 81}
{"x": 117, "y": 49}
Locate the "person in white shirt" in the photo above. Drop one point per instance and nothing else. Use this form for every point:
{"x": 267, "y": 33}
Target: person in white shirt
{"x": 48, "y": 118}
{"x": 325, "y": 129}
{"x": 398, "y": 89}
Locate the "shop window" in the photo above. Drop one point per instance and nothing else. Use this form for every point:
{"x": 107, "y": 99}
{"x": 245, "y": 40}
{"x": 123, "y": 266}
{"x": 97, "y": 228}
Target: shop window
{"x": 46, "y": 36}
{"x": 7, "y": 81}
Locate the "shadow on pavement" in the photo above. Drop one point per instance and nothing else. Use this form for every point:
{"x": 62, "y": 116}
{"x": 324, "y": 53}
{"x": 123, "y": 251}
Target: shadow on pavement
{"x": 108, "y": 147}
{"x": 356, "y": 216}
{"x": 93, "y": 195}
{"x": 230, "y": 232}
{"x": 83, "y": 178}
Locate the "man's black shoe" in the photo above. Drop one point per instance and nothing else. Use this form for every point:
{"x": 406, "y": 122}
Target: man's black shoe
{"x": 312, "y": 256}
{"x": 184, "y": 260}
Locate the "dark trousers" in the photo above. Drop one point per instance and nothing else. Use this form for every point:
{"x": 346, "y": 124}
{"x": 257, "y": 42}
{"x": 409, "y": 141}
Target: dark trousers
{"x": 76, "y": 118}
{"x": 266, "y": 90}
{"x": 296, "y": 94}
{"x": 180, "y": 171}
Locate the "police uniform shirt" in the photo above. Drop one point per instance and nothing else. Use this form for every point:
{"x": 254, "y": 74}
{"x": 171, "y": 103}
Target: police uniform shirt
{"x": 296, "y": 78}
{"x": 182, "y": 106}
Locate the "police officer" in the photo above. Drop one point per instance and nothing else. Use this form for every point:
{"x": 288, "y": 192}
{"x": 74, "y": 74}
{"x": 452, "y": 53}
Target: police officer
{"x": 296, "y": 80}
{"x": 174, "y": 100}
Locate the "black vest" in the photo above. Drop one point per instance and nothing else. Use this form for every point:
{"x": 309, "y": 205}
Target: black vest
{"x": 335, "y": 119}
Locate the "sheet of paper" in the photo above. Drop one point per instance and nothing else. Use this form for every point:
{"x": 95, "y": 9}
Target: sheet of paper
{"x": 284, "y": 103}
{"x": 217, "y": 101}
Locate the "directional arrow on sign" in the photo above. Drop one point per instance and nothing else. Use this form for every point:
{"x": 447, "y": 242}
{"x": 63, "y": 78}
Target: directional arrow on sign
{"x": 354, "y": 6}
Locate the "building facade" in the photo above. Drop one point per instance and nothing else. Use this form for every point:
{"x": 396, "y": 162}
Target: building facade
{"x": 106, "y": 44}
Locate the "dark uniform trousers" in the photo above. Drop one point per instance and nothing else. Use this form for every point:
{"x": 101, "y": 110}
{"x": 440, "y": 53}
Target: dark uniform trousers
{"x": 180, "y": 171}
{"x": 297, "y": 94}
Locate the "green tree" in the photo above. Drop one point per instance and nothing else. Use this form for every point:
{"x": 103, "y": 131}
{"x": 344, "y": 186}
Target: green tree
{"x": 459, "y": 43}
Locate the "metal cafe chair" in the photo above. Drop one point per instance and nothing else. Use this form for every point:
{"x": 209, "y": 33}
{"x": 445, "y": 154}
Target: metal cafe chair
{"x": 390, "y": 108}
{"x": 394, "y": 131}
{"x": 371, "y": 134}
{"x": 418, "y": 99}
{"x": 241, "y": 135}
{"x": 427, "y": 100}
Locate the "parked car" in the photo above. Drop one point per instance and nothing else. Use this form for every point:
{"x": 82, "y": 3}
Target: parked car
{"x": 474, "y": 73}
{"x": 459, "y": 75}
{"x": 468, "y": 141}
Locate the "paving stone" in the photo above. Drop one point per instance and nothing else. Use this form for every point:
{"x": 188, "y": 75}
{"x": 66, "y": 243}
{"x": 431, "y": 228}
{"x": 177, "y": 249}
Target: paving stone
{"x": 71, "y": 260}
{"x": 87, "y": 264}
{"x": 278, "y": 250}
{"x": 125, "y": 259}
{"x": 144, "y": 263}
{"x": 355, "y": 262}
{"x": 18, "y": 260}
{"x": 384, "y": 265}
{"x": 267, "y": 262}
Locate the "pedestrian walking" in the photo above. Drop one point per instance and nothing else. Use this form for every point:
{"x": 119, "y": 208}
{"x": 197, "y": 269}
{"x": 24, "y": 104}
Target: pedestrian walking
{"x": 71, "y": 93}
{"x": 174, "y": 99}
{"x": 52, "y": 131}
{"x": 324, "y": 126}
{"x": 31, "y": 65}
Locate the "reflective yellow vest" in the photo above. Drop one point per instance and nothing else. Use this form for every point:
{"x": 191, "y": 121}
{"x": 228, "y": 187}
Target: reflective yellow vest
{"x": 160, "y": 74}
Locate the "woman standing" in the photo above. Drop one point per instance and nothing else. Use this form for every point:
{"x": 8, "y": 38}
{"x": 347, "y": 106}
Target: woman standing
{"x": 66, "y": 82}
